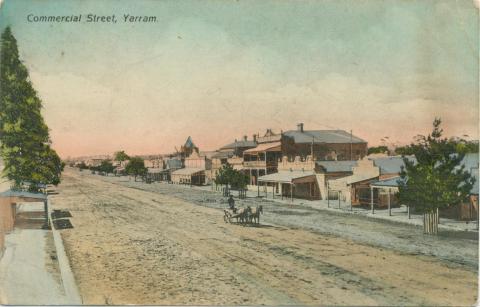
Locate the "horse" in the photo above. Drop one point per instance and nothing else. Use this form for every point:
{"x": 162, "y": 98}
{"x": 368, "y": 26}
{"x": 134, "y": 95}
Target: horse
{"x": 255, "y": 214}
{"x": 243, "y": 214}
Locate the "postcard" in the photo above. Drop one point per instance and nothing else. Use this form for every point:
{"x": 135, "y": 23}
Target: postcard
{"x": 239, "y": 152}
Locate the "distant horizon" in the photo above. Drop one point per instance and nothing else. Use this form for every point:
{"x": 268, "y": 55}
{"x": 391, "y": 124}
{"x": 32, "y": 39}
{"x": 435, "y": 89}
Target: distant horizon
{"x": 389, "y": 145}
{"x": 216, "y": 71}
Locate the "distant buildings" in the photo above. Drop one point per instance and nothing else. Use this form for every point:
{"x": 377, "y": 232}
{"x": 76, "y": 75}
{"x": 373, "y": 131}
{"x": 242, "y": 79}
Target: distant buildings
{"x": 194, "y": 171}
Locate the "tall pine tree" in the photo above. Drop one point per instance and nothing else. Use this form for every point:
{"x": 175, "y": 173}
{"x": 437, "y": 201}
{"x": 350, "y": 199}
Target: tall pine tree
{"x": 437, "y": 179}
{"x": 24, "y": 138}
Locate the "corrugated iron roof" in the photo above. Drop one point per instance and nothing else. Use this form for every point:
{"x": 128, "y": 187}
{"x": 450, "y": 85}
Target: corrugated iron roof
{"x": 240, "y": 144}
{"x": 392, "y": 182}
{"x": 275, "y": 146}
{"x": 223, "y": 154}
{"x": 337, "y": 166}
{"x": 359, "y": 178}
{"x": 13, "y": 193}
{"x": 391, "y": 165}
{"x": 323, "y": 136}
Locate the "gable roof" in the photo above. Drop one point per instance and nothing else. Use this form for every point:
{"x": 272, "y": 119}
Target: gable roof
{"x": 337, "y": 166}
{"x": 189, "y": 143}
{"x": 323, "y": 136}
{"x": 391, "y": 165}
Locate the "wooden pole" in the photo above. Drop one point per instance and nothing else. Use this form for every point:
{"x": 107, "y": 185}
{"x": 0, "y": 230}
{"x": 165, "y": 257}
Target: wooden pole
{"x": 258, "y": 190}
{"x": 338, "y": 199}
{"x": 328, "y": 194}
{"x": 351, "y": 205}
{"x": 389, "y": 206}
{"x": 408, "y": 211}
{"x": 478, "y": 216}
{"x": 291, "y": 192}
{"x": 371, "y": 200}
{"x": 424, "y": 223}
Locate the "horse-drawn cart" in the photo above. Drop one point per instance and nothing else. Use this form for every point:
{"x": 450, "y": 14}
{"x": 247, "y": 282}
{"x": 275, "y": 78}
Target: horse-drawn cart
{"x": 243, "y": 215}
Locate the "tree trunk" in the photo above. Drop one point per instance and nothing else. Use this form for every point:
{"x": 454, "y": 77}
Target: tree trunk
{"x": 430, "y": 222}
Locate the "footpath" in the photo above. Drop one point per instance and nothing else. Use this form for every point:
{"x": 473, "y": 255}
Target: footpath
{"x": 33, "y": 270}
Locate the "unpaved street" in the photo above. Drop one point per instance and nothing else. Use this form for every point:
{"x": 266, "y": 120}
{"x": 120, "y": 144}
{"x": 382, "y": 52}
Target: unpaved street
{"x": 131, "y": 246}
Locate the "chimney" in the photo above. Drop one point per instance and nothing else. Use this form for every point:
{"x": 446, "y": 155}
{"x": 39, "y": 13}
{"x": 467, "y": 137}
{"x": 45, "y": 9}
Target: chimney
{"x": 245, "y": 138}
{"x": 300, "y": 127}
{"x": 255, "y": 138}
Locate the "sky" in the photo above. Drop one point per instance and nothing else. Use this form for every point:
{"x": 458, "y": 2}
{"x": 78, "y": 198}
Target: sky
{"x": 217, "y": 70}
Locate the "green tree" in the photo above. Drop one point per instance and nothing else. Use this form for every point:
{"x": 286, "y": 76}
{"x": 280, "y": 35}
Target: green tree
{"x": 231, "y": 177}
{"x": 120, "y": 156}
{"x": 378, "y": 149}
{"x": 82, "y": 166}
{"x": 437, "y": 179}
{"x": 464, "y": 146}
{"x": 24, "y": 137}
{"x": 136, "y": 167}
{"x": 106, "y": 167}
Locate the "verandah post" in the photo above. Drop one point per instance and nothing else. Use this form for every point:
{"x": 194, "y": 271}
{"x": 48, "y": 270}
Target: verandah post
{"x": 371, "y": 199}
{"x": 389, "y": 205}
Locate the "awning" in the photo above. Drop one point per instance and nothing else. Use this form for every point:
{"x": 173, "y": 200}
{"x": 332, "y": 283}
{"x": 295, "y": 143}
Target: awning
{"x": 275, "y": 146}
{"x": 359, "y": 178}
{"x": 156, "y": 170}
{"x": 392, "y": 182}
{"x": 23, "y": 194}
{"x": 286, "y": 176}
{"x": 187, "y": 171}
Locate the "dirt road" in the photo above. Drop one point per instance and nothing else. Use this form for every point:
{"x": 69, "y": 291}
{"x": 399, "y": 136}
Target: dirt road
{"x": 131, "y": 246}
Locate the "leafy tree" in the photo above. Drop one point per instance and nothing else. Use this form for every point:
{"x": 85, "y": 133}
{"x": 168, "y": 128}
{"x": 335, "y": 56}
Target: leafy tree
{"x": 464, "y": 146}
{"x": 106, "y": 167}
{"x": 82, "y": 166}
{"x": 231, "y": 177}
{"x": 378, "y": 149}
{"x": 120, "y": 156}
{"x": 405, "y": 150}
{"x": 437, "y": 179}
{"x": 136, "y": 167}
{"x": 25, "y": 142}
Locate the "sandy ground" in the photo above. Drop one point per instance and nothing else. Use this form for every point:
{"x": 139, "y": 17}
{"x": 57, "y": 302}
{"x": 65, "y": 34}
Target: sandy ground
{"x": 404, "y": 238}
{"x": 131, "y": 246}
